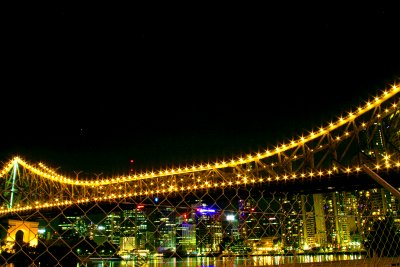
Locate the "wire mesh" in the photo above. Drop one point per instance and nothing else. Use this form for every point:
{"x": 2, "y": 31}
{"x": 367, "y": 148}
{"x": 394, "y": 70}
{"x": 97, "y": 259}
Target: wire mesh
{"x": 236, "y": 227}
{"x": 303, "y": 202}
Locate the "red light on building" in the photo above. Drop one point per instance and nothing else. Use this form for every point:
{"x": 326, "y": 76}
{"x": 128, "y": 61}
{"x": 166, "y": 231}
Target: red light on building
{"x": 140, "y": 207}
{"x": 131, "y": 165}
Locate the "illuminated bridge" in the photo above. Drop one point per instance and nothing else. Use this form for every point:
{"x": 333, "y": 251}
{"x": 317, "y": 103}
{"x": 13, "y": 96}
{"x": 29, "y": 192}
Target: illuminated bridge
{"x": 326, "y": 196}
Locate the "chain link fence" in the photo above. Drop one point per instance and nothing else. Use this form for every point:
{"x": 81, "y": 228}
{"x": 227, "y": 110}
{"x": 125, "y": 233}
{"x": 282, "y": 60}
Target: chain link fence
{"x": 229, "y": 227}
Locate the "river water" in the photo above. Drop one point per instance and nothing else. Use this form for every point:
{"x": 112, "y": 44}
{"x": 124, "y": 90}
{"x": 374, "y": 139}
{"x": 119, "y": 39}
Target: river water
{"x": 223, "y": 261}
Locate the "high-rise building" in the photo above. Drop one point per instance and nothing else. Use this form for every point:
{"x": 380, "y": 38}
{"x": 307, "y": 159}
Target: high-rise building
{"x": 134, "y": 227}
{"x": 164, "y": 224}
{"x": 112, "y": 227}
{"x": 321, "y": 240}
{"x": 249, "y": 228}
{"x": 185, "y": 235}
{"x": 292, "y": 220}
{"x": 208, "y": 229}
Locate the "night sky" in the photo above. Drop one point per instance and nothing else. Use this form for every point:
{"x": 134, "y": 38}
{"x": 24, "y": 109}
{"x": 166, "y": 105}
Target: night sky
{"x": 90, "y": 87}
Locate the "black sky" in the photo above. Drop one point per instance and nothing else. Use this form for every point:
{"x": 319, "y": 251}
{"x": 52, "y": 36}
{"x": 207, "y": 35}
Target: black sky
{"x": 89, "y": 87}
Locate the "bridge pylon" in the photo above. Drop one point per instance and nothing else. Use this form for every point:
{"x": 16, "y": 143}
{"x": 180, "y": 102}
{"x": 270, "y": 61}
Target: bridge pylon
{"x": 10, "y": 189}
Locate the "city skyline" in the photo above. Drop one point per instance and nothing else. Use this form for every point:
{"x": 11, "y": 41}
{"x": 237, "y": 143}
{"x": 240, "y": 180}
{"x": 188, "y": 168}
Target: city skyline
{"x": 155, "y": 134}
{"x": 275, "y": 223}
{"x": 257, "y": 183}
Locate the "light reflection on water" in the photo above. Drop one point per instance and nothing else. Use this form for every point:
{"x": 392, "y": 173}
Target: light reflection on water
{"x": 225, "y": 261}
{"x": 279, "y": 260}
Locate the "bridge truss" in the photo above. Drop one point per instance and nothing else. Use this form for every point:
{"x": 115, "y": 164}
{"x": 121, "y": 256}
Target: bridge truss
{"x": 327, "y": 159}
{"x": 369, "y": 135}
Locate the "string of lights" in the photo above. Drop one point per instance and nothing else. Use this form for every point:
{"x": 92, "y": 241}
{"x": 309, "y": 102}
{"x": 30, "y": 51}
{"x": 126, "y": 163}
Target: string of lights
{"x": 237, "y": 172}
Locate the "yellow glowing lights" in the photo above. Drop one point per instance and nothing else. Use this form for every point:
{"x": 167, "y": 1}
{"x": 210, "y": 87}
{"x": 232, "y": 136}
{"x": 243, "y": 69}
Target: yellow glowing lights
{"x": 43, "y": 171}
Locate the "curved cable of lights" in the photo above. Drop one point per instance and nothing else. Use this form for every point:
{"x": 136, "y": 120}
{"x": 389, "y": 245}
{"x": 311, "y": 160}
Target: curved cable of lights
{"x": 50, "y": 174}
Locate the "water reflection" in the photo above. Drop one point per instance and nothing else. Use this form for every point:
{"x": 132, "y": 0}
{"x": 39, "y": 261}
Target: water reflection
{"x": 224, "y": 261}
{"x": 280, "y": 260}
